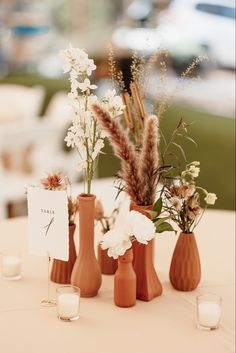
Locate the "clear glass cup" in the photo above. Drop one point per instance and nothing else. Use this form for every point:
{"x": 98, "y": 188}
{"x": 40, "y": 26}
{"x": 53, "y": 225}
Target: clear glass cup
{"x": 68, "y": 301}
{"x": 11, "y": 266}
{"x": 208, "y": 311}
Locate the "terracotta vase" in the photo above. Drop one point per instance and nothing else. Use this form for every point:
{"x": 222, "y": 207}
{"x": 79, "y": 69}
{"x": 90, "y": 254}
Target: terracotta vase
{"x": 148, "y": 283}
{"x": 185, "y": 268}
{"x": 61, "y": 270}
{"x": 107, "y": 264}
{"x": 86, "y": 273}
{"x": 125, "y": 281}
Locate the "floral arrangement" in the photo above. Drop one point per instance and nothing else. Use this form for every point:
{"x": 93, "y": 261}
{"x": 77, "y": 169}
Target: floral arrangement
{"x": 136, "y": 227}
{"x": 138, "y": 168}
{"x": 58, "y": 181}
{"x": 84, "y": 133}
{"x": 107, "y": 222}
{"x": 182, "y": 199}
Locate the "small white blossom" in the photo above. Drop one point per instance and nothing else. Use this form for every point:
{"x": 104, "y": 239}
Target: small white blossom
{"x": 194, "y": 171}
{"x": 175, "y": 202}
{"x": 113, "y": 103}
{"x": 86, "y": 85}
{"x": 210, "y": 198}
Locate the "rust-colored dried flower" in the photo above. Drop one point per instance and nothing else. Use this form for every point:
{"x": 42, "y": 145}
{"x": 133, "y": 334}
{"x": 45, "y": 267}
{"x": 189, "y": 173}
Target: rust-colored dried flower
{"x": 72, "y": 209}
{"x": 55, "y": 181}
{"x": 194, "y": 207}
{"x": 99, "y": 211}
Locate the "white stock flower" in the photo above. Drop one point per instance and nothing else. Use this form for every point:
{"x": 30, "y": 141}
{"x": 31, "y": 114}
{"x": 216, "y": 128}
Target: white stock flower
{"x": 97, "y": 148}
{"x": 86, "y": 85}
{"x": 113, "y": 103}
{"x": 194, "y": 171}
{"x": 116, "y": 241}
{"x": 210, "y": 198}
{"x": 139, "y": 226}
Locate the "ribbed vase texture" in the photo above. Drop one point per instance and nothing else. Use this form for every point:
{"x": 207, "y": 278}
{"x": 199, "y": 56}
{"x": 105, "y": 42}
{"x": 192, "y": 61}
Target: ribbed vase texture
{"x": 185, "y": 268}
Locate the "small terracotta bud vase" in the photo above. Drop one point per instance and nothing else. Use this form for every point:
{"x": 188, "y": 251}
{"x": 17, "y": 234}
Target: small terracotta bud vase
{"x": 86, "y": 273}
{"x": 61, "y": 270}
{"x": 107, "y": 264}
{"x": 148, "y": 283}
{"x": 185, "y": 268}
{"x": 125, "y": 281}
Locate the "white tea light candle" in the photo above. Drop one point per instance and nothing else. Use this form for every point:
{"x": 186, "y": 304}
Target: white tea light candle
{"x": 209, "y": 311}
{"x": 11, "y": 267}
{"x": 68, "y": 298}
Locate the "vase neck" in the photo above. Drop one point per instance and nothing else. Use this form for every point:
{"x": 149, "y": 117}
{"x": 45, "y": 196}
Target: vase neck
{"x": 86, "y": 222}
{"x": 140, "y": 208}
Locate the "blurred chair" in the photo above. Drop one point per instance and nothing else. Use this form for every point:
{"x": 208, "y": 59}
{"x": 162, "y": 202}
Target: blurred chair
{"x": 20, "y": 107}
{"x": 52, "y": 155}
{"x": 19, "y": 103}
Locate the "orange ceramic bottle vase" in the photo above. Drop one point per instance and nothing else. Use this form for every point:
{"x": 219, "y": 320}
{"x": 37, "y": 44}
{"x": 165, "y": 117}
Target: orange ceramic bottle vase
{"x": 107, "y": 264}
{"x": 86, "y": 273}
{"x": 125, "y": 281}
{"x": 61, "y": 270}
{"x": 148, "y": 284}
{"x": 185, "y": 268}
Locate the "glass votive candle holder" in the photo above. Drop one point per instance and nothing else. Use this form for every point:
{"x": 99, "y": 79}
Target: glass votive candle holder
{"x": 11, "y": 266}
{"x": 68, "y": 301}
{"x": 208, "y": 311}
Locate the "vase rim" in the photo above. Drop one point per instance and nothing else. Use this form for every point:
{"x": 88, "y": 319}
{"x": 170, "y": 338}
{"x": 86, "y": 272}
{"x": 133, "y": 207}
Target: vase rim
{"x": 187, "y": 233}
{"x": 86, "y": 196}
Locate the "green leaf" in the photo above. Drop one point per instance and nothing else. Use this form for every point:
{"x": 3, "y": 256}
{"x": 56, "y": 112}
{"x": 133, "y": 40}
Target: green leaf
{"x": 158, "y": 206}
{"x": 159, "y": 221}
{"x": 165, "y": 227}
{"x": 181, "y": 150}
{"x": 153, "y": 214}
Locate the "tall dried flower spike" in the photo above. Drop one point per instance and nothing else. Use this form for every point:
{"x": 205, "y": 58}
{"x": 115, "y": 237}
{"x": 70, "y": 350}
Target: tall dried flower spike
{"x": 149, "y": 159}
{"x": 124, "y": 150}
{"x": 55, "y": 181}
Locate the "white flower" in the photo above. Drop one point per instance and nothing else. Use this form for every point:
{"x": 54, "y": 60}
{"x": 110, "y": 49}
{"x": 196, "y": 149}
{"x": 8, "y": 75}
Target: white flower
{"x": 175, "y": 202}
{"x": 139, "y": 226}
{"x": 82, "y": 165}
{"x": 194, "y": 171}
{"x": 195, "y": 163}
{"x": 86, "y": 85}
{"x": 70, "y": 139}
{"x": 210, "y": 198}
{"x": 97, "y": 148}
{"x": 112, "y": 103}
{"x": 116, "y": 241}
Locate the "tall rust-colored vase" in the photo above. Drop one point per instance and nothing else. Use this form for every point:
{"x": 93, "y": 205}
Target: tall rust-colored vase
{"x": 107, "y": 264}
{"x": 185, "y": 268}
{"x": 86, "y": 273}
{"x": 148, "y": 283}
{"x": 61, "y": 270}
{"x": 125, "y": 281}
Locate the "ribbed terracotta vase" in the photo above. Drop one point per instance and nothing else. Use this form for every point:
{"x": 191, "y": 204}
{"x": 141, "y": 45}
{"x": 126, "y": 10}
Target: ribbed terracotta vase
{"x": 185, "y": 268}
{"x": 125, "y": 281}
{"x": 107, "y": 264}
{"x": 86, "y": 273}
{"x": 148, "y": 284}
{"x": 61, "y": 270}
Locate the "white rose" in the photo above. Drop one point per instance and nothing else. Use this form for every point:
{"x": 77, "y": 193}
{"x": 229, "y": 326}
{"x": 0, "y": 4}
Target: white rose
{"x": 116, "y": 241}
{"x": 139, "y": 226}
{"x": 210, "y": 198}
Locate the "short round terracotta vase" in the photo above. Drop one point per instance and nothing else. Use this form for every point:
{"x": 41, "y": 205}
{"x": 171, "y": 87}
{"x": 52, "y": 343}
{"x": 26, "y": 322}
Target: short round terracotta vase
{"x": 185, "y": 268}
{"x": 148, "y": 283}
{"x": 86, "y": 273}
{"x": 61, "y": 270}
{"x": 125, "y": 281}
{"x": 107, "y": 264}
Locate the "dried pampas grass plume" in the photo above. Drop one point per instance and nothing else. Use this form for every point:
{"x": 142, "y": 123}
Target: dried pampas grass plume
{"x": 149, "y": 159}
{"x": 125, "y": 151}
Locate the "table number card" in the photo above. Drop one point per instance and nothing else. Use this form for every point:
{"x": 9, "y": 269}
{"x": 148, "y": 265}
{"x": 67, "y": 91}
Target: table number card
{"x": 48, "y": 223}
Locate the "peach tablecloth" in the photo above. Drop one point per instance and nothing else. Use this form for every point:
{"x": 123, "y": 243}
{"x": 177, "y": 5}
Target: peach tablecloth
{"x": 165, "y": 325}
